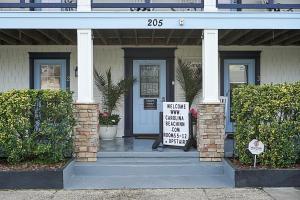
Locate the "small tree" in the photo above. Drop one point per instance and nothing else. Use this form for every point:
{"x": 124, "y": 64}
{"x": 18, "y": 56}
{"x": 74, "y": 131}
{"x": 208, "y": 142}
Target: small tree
{"x": 189, "y": 76}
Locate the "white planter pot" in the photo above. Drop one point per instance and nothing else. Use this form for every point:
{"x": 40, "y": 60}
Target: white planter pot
{"x": 107, "y": 132}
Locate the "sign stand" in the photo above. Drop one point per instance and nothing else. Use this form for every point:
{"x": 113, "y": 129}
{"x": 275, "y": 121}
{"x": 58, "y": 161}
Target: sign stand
{"x": 255, "y": 160}
{"x": 190, "y": 142}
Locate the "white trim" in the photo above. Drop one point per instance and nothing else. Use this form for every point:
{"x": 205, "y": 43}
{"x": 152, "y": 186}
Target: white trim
{"x": 85, "y": 66}
{"x": 138, "y": 20}
{"x": 210, "y": 66}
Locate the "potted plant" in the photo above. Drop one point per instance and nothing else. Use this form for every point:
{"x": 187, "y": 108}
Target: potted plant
{"x": 111, "y": 93}
{"x": 189, "y": 76}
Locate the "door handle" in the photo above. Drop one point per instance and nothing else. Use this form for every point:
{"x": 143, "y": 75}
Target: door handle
{"x": 163, "y": 99}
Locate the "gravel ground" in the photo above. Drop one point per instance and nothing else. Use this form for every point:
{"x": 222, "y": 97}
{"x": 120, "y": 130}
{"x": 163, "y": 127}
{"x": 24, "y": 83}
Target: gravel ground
{"x": 147, "y": 194}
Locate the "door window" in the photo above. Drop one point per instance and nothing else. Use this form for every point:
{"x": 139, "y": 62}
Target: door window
{"x": 149, "y": 81}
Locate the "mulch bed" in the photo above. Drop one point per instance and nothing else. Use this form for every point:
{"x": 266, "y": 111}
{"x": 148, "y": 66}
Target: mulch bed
{"x": 30, "y": 166}
{"x": 239, "y": 165}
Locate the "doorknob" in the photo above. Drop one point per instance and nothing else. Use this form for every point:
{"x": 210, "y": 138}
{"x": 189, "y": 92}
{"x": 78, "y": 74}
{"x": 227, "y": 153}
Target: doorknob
{"x": 163, "y": 99}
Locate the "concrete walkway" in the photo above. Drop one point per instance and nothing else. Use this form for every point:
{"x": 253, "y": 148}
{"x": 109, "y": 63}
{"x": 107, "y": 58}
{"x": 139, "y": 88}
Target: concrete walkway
{"x": 284, "y": 193}
{"x": 147, "y": 194}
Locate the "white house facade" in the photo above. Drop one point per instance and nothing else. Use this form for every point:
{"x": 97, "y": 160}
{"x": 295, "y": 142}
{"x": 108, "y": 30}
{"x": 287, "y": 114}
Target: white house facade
{"x": 57, "y": 44}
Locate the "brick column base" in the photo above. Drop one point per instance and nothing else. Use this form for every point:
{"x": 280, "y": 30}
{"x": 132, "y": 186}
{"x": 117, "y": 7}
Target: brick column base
{"x": 86, "y": 132}
{"x": 211, "y": 131}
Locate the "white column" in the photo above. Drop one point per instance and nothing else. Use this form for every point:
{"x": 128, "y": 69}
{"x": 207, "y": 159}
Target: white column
{"x": 85, "y": 66}
{"x": 210, "y": 6}
{"x": 84, "y": 5}
{"x": 210, "y": 66}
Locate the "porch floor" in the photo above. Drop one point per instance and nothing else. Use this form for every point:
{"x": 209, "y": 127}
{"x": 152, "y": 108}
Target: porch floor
{"x": 134, "y": 145}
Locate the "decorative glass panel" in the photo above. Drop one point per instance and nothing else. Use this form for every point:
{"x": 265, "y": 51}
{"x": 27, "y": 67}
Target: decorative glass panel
{"x": 149, "y": 80}
{"x": 50, "y": 76}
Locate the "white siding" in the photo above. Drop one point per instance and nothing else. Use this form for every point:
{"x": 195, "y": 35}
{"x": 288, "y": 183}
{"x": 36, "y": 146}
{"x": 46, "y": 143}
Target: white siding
{"x": 278, "y": 64}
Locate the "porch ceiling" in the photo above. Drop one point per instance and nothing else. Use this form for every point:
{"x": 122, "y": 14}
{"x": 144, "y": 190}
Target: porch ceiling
{"x": 149, "y": 37}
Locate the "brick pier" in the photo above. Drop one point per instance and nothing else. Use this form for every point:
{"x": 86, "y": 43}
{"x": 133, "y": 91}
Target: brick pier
{"x": 211, "y": 131}
{"x": 86, "y": 132}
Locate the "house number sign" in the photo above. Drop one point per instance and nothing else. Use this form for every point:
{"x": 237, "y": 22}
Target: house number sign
{"x": 155, "y": 22}
{"x": 175, "y": 123}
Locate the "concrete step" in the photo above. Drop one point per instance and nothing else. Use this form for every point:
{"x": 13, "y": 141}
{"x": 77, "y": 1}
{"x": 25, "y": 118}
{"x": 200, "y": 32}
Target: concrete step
{"x": 147, "y": 169}
{"x": 135, "y": 182}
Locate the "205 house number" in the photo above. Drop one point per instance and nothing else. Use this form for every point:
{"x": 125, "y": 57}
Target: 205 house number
{"x": 155, "y": 22}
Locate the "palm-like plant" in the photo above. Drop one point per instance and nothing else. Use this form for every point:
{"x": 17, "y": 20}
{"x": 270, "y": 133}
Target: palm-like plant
{"x": 111, "y": 91}
{"x": 189, "y": 77}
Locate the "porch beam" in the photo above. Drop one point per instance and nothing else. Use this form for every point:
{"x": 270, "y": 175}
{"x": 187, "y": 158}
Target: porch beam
{"x": 152, "y": 36}
{"x": 270, "y": 36}
{"x": 136, "y": 36}
{"x": 8, "y": 39}
{"x": 36, "y": 36}
{"x": 170, "y": 36}
{"x": 253, "y": 36}
{"x": 292, "y": 40}
{"x": 99, "y": 35}
{"x": 52, "y": 36}
{"x": 85, "y": 66}
{"x": 17, "y": 36}
{"x": 138, "y": 20}
{"x": 223, "y": 34}
{"x": 235, "y": 37}
{"x": 68, "y": 35}
{"x": 285, "y": 37}
{"x": 186, "y": 37}
{"x": 210, "y": 66}
{"x": 117, "y": 33}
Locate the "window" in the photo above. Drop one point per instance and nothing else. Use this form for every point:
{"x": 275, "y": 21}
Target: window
{"x": 149, "y": 81}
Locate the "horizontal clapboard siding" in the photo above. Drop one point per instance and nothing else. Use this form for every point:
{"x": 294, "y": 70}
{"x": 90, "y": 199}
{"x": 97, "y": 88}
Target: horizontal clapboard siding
{"x": 278, "y": 64}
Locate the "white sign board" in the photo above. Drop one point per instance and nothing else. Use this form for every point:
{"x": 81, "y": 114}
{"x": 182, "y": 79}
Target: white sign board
{"x": 256, "y": 147}
{"x": 175, "y": 123}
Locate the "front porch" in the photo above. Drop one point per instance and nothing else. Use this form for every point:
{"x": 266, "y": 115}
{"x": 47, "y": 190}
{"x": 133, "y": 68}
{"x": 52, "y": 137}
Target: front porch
{"x": 276, "y": 55}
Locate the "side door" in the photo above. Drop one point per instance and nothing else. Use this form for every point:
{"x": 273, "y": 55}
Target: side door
{"x": 236, "y": 72}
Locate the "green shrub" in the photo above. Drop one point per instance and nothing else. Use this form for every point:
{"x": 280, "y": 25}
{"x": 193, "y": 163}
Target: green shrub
{"x": 36, "y": 125}
{"x": 271, "y": 114}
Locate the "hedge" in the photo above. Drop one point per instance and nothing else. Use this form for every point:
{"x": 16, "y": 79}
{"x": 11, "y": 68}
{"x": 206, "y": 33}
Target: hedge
{"x": 36, "y": 125}
{"x": 271, "y": 114}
